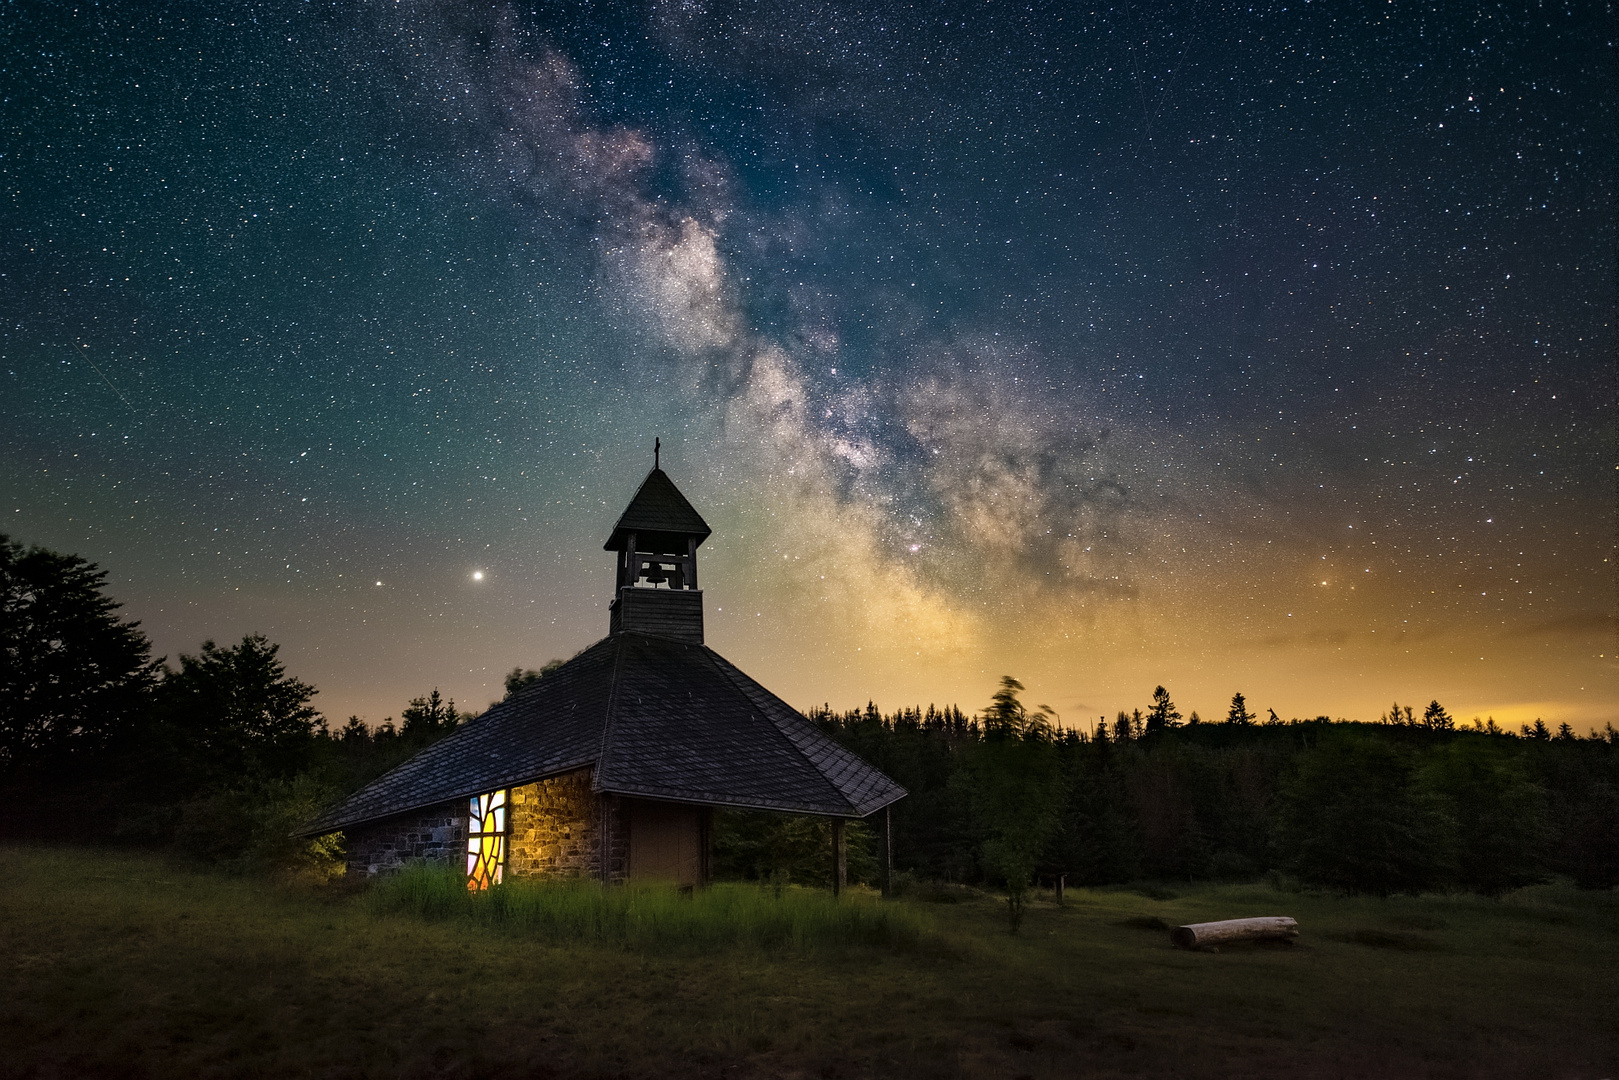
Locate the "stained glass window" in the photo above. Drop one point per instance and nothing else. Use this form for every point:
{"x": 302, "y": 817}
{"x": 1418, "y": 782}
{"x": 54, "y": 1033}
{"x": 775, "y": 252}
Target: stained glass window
{"x": 486, "y": 840}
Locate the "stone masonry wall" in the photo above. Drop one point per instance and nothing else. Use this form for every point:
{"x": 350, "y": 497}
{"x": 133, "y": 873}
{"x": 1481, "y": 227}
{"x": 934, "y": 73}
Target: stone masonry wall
{"x": 553, "y": 828}
{"x": 436, "y": 834}
{"x": 556, "y": 826}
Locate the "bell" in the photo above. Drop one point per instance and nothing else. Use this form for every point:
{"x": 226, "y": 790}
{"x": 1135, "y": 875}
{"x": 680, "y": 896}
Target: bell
{"x": 654, "y": 574}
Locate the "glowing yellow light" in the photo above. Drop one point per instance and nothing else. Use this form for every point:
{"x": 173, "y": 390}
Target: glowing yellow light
{"x": 477, "y": 575}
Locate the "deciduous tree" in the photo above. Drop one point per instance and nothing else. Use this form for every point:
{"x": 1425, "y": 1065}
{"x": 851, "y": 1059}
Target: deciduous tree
{"x": 74, "y": 677}
{"x": 1015, "y": 786}
{"x": 517, "y": 678}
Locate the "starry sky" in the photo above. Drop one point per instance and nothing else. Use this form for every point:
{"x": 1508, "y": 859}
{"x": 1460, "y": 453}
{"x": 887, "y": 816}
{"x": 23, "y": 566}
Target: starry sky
{"x": 1261, "y": 347}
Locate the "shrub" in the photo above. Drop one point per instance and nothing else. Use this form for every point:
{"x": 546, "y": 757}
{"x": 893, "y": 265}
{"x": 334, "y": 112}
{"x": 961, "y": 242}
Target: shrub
{"x": 249, "y": 828}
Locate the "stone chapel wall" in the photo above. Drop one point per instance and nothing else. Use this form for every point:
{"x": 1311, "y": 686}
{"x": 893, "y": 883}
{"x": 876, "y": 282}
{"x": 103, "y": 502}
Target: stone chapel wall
{"x": 553, "y": 828}
{"x": 437, "y": 834}
{"x": 556, "y": 826}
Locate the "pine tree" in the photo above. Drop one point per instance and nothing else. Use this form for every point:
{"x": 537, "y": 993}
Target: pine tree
{"x": 1435, "y": 718}
{"x": 1006, "y": 714}
{"x": 232, "y": 714}
{"x": 1163, "y": 715}
{"x": 1121, "y": 727}
{"x": 1239, "y": 713}
{"x": 428, "y": 719}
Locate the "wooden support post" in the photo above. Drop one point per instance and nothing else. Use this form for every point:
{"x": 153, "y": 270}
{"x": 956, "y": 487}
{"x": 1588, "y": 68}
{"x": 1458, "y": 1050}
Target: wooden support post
{"x": 705, "y": 869}
{"x": 691, "y": 562}
{"x": 1060, "y": 881}
{"x": 840, "y": 862}
{"x": 887, "y": 856}
{"x": 604, "y": 845}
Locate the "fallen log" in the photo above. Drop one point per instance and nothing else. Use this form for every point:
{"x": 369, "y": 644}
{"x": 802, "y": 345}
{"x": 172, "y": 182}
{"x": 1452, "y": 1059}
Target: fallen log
{"x": 1209, "y": 934}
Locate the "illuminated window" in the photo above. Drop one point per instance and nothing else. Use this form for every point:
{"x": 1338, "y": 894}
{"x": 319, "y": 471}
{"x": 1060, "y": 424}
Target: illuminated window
{"x": 486, "y": 840}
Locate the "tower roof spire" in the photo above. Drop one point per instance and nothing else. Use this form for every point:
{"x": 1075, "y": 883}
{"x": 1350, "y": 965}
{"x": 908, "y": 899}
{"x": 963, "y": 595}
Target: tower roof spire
{"x": 659, "y": 512}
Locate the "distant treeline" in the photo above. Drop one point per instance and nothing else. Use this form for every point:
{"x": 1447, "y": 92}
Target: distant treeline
{"x": 221, "y": 755}
{"x": 1408, "y": 804}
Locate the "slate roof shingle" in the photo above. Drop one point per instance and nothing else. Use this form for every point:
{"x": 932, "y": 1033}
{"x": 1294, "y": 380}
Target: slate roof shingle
{"x": 657, "y": 718}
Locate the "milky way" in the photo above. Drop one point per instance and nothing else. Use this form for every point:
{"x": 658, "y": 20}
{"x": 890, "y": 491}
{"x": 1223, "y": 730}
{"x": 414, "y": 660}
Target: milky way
{"x": 1260, "y": 348}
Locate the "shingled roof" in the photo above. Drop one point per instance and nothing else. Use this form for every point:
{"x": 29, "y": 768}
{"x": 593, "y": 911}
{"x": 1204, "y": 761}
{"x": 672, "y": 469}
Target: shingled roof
{"x": 658, "y": 507}
{"x": 654, "y": 718}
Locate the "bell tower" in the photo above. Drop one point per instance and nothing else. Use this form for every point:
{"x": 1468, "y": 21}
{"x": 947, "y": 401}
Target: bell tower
{"x": 656, "y": 539}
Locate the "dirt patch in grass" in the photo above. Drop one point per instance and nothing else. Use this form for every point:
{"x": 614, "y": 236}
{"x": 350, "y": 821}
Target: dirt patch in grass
{"x": 1401, "y": 940}
{"x": 1155, "y": 892}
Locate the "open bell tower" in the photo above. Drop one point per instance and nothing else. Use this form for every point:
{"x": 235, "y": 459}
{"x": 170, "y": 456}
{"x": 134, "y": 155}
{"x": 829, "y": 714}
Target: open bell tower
{"x": 656, "y": 539}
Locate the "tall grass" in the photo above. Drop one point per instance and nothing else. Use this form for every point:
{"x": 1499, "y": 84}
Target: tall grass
{"x": 720, "y": 916}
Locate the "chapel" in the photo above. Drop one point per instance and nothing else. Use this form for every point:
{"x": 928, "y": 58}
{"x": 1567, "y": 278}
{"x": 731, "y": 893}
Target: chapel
{"x": 612, "y": 765}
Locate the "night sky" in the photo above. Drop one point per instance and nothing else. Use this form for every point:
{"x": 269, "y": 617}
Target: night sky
{"x": 1237, "y": 347}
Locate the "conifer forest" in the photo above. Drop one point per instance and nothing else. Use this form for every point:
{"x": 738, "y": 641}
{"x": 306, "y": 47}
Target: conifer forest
{"x": 219, "y": 755}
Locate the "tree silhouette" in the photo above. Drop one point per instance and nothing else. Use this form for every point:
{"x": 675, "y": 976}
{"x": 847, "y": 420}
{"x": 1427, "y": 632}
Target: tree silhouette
{"x": 1123, "y": 731}
{"x": 1163, "y": 715}
{"x": 1397, "y": 716}
{"x": 518, "y": 677}
{"x": 230, "y": 714}
{"x": 74, "y": 677}
{"x": 1239, "y": 713}
{"x": 1435, "y": 718}
{"x": 1015, "y": 787}
{"x": 428, "y": 719}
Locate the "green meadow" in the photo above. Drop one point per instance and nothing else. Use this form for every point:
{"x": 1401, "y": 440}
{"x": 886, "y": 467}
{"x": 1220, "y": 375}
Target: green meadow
{"x": 125, "y": 965}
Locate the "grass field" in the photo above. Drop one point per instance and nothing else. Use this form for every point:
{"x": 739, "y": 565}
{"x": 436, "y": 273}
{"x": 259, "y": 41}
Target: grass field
{"x": 123, "y": 965}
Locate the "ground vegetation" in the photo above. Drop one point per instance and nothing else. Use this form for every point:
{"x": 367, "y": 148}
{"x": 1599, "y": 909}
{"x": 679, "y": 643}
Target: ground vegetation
{"x": 119, "y": 963}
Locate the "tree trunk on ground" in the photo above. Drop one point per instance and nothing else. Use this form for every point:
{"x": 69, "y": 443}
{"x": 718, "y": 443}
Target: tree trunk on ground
{"x": 1209, "y": 934}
